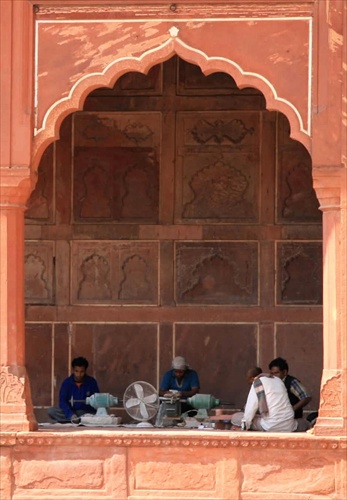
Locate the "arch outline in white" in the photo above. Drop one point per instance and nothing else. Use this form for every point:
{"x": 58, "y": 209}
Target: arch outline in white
{"x": 173, "y": 40}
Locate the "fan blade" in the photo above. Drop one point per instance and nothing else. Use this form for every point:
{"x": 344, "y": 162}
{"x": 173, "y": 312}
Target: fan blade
{"x": 152, "y": 398}
{"x": 132, "y": 402}
{"x": 143, "y": 410}
{"x": 139, "y": 390}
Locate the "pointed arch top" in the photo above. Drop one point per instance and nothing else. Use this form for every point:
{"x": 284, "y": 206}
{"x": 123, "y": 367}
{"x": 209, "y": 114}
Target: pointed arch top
{"x": 171, "y": 43}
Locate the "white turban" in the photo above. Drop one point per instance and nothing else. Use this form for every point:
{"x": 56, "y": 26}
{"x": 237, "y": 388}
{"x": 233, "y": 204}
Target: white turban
{"x": 179, "y": 363}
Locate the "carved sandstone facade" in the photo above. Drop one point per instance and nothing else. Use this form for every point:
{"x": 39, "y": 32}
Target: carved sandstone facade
{"x": 217, "y": 213}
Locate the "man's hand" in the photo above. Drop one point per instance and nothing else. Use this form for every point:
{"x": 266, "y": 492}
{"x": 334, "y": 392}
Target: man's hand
{"x": 75, "y": 419}
{"x": 172, "y": 394}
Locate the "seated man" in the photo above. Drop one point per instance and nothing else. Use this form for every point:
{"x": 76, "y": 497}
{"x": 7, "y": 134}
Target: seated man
{"x": 182, "y": 379}
{"x": 252, "y": 373}
{"x": 268, "y": 395}
{"x": 298, "y": 396}
{"x": 73, "y": 393}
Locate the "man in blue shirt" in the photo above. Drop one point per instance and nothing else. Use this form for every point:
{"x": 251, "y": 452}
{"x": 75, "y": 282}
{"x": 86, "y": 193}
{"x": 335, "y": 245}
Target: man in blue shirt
{"x": 73, "y": 392}
{"x": 182, "y": 379}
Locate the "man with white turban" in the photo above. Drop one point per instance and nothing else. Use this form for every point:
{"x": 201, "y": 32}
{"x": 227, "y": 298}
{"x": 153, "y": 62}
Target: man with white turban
{"x": 180, "y": 378}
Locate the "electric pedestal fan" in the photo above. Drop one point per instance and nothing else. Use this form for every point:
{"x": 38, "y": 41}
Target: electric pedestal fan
{"x": 141, "y": 402}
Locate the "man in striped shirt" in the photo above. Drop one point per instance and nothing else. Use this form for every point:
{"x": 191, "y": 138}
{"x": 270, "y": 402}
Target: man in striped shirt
{"x": 298, "y": 396}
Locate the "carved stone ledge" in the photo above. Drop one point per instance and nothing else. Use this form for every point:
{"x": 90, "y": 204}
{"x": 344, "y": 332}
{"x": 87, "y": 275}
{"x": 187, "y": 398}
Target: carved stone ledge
{"x": 182, "y": 10}
{"x": 16, "y": 184}
{"x": 8, "y": 439}
{"x": 327, "y": 184}
{"x": 131, "y": 439}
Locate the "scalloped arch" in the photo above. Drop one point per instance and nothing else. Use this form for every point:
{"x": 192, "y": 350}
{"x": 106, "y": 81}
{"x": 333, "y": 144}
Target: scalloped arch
{"x": 54, "y": 116}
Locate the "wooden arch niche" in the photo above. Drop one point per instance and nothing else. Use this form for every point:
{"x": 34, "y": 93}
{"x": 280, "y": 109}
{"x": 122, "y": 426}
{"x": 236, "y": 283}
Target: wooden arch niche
{"x": 174, "y": 215}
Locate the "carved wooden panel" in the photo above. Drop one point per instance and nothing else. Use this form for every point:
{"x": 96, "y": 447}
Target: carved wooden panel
{"x": 218, "y": 166}
{"x": 114, "y": 272}
{"x": 116, "y": 164}
{"x": 300, "y": 273}
{"x": 217, "y": 273}
{"x": 40, "y": 206}
{"x": 38, "y": 269}
{"x": 297, "y": 200}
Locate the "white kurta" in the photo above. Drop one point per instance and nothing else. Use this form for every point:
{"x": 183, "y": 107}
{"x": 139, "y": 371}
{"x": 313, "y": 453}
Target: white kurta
{"x": 281, "y": 414}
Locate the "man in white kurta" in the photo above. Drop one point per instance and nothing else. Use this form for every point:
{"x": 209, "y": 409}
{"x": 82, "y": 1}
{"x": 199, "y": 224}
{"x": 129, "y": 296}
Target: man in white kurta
{"x": 279, "y": 416}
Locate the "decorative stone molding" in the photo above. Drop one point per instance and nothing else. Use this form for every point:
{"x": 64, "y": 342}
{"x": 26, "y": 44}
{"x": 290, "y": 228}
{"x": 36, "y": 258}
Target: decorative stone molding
{"x": 132, "y": 439}
{"x": 11, "y": 388}
{"x": 16, "y": 412}
{"x": 16, "y": 185}
{"x": 331, "y": 393}
{"x": 327, "y": 184}
{"x": 173, "y": 10}
{"x": 60, "y": 102}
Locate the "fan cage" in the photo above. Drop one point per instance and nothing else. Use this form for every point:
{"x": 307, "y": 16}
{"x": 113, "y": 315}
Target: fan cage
{"x": 141, "y": 401}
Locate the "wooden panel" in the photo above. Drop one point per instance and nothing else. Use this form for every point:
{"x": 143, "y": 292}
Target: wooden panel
{"x": 115, "y": 166}
{"x": 302, "y": 346}
{"x": 297, "y": 200}
{"x": 38, "y": 346}
{"x": 119, "y": 353}
{"x": 39, "y": 268}
{"x": 192, "y": 81}
{"x": 300, "y": 273}
{"x": 217, "y": 167}
{"x": 221, "y": 354}
{"x": 61, "y": 362}
{"x": 105, "y": 272}
{"x": 40, "y": 206}
{"x": 217, "y": 273}
{"x": 134, "y": 83}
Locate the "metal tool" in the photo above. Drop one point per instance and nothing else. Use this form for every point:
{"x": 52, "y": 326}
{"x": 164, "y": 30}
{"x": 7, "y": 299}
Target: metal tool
{"x": 170, "y": 409}
{"x": 100, "y": 401}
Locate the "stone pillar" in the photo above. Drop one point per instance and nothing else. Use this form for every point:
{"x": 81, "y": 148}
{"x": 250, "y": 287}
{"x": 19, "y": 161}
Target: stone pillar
{"x": 16, "y": 410}
{"x": 16, "y": 133}
{"x": 330, "y": 186}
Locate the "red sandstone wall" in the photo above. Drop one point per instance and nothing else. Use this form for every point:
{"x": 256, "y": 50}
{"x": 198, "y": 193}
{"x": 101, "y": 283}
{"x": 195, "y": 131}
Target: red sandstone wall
{"x": 194, "y": 465}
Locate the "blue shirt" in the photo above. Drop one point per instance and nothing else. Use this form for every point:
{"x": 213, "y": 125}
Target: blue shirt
{"x": 69, "y": 389}
{"x": 189, "y": 381}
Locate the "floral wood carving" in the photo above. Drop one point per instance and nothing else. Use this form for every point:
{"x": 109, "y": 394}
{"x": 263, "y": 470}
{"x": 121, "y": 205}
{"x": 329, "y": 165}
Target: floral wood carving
{"x": 216, "y": 190}
{"x": 137, "y": 132}
{"x": 95, "y": 283}
{"x": 218, "y": 131}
